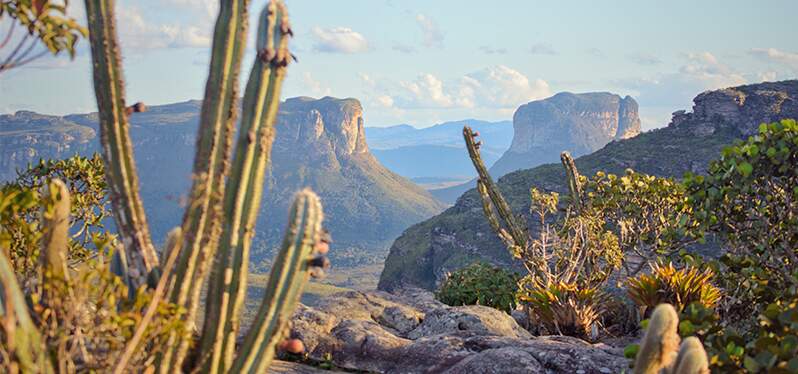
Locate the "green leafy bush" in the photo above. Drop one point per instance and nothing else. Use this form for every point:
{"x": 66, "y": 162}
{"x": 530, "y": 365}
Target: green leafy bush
{"x": 22, "y": 205}
{"x": 678, "y": 287}
{"x": 750, "y": 199}
{"x": 480, "y": 284}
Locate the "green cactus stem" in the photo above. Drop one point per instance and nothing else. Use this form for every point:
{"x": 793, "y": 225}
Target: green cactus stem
{"x": 287, "y": 280}
{"x": 120, "y": 170}
{"x": 509, "y": 229}
{"x": 202, "y": 219}
{"x": 55, "y": 238}
{"x": 572, "y": 176}
{"x": 242, "y": 199}
{"x": 20, "y": 335}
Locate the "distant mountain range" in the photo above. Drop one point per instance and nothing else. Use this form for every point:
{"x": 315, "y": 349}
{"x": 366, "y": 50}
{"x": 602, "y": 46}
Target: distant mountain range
{"x": 577, "y": 123}
{"x": 320, "y": 144}
{"x": 436, "y": 155}
{"x": 424, "y": 253}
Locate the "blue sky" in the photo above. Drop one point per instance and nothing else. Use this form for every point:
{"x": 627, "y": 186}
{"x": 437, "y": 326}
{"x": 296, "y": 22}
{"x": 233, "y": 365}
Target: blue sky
{"x": 424, "y": 62}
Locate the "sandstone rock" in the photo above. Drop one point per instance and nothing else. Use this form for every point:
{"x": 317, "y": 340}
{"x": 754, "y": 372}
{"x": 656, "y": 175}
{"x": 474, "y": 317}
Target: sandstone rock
{"x": 360, "y": 331}
{"x": 578, "y": 123}
{"x": 477, "y": 319}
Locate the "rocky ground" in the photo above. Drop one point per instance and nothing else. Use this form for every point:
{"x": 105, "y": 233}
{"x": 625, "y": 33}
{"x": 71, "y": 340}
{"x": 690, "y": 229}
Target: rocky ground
{"x": 410, "y": 332}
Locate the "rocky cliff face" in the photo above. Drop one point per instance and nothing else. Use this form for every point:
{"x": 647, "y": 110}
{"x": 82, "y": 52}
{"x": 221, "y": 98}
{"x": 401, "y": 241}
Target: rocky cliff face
{"x": 577, "y": 123}
{"x": 461, "y": 234}
{"x": 319, "y": 144}
{"x": 26, "y": 137}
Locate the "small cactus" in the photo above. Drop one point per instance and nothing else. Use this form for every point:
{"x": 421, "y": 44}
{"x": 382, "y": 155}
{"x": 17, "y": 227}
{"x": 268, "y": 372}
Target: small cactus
{"x": 660, "y": 351}
{"x": 290, "y": 273}
{"x": 55, "y": 241}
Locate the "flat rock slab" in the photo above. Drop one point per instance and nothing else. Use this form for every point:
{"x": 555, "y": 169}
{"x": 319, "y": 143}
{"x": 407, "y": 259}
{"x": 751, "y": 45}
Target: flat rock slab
{"x": 410, "y": 332}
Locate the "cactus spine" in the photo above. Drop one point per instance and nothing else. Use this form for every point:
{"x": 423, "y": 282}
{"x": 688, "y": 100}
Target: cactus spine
{"x": 658, "y": 351}
{"x": 129, "y": 216}
{"x": 242, "y": 199}
{"x": 55, "y": 240}
{"x": 287, "y": 280}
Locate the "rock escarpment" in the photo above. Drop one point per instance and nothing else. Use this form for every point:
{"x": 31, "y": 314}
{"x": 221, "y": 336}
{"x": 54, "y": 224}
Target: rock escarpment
{"x": 319, "y": 144}
{"x": 577, "y": 123}
{"x": 410, "y": 332}
{"x": 461, "y": 234}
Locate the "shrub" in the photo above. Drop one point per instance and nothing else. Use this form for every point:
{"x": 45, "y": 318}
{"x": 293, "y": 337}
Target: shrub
{"x": 480, "y": 284}
{"x": 678, "y": 287}
{"x": 750, "y": 199}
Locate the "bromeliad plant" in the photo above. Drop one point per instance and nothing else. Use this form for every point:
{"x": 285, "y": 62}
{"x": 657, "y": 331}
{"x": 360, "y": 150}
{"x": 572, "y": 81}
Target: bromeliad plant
{"x": 678, "y": 287}
{"x": 215, "y": 236}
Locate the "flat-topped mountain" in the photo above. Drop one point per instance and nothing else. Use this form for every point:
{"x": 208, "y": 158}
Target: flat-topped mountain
{"x": 461, "y": 234}
{"x": 577, "y": 123}
{"x": 319, "y": 143}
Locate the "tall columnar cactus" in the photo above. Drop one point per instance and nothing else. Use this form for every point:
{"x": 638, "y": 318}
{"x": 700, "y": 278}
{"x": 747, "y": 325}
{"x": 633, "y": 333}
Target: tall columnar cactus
{"x": 506, "y": 224}
{"x": 572, "y": 176}
{"x": 120, "y": 169}
{"x": 211, "y": 202}
{"x": 203, "y": 217}
{"x": 660, "y": 351}
{"x": 242, "y": 198}
{"x": 55, "y": 239}
{"x": 288, "y": 277}
{"x": 20, "y": 335}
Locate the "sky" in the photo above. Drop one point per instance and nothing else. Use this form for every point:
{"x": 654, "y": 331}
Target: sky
{"x": 423, "y": 62}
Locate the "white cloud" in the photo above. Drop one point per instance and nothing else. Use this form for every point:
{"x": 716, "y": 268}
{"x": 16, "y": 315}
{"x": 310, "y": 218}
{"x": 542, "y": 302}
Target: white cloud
{"x": 339, "y": 40}
{"x": 493, "y": 50}
{"x": 137, "y": 33}
{"x": 542, "y": 49}
{"x": 701, "y": 72}
{"x": 775, "y": 55}
{"x": 502, "y": 87}
{"x": 207, "y": 8}
{"x": 431, "y": 32}
{"x": 313, "y": 86}
{"x": 497, "y": 87}
{"x": 645, "y": 59}
{"x": 385, "y": 101}
{"x": 403, "y": 48}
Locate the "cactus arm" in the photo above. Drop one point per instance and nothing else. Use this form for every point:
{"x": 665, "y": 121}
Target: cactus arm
{"x": 242, "y": 199}
{"x": 129, "y": 216}
{"x": 692, "y": 358}
{"x": 21, "y": 335}
{"x": 202, "y": 219}
{"x": 514, "y": 229}
{"x": 287, "y": 280}
{"x": 660, "y": 342}
{"x": 55, "y": 239}
{"x": 572, "y": 176}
